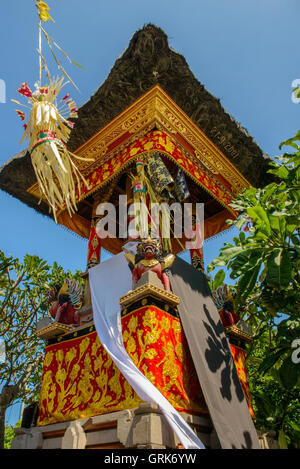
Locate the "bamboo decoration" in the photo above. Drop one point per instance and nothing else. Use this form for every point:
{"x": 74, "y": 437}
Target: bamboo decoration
{"x": 48, "y": 129}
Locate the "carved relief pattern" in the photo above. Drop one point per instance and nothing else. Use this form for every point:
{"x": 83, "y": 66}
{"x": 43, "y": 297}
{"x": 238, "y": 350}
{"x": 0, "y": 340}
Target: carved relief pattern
{"x": 204, "y": 153}
{"x": 154, "y": 141}
{"x": 80, "y": 379}
{"x": 154, "y": 110}
{"x": 132, "y": 125}
{"x": 156, "y": 344}
{"x": 240, "y": 364}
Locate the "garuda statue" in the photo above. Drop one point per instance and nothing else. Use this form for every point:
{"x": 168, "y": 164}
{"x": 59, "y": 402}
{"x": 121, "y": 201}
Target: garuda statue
{"x": 65, "y": 300}
{"x": 149, "y": 257}
{"x": 224, "y": 302}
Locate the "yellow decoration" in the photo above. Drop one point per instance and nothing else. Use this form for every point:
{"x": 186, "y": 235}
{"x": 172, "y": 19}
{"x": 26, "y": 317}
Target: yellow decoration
{"x": 43, "y": 10}
{"x": 48, "y": 130}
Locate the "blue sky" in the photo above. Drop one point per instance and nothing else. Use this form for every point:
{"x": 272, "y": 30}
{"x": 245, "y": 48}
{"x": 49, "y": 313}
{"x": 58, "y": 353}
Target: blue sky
{"x": 245, "y": 52}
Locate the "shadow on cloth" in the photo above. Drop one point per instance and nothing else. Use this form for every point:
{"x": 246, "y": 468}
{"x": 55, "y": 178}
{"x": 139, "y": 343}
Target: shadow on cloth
{"x": 212, "y": 358}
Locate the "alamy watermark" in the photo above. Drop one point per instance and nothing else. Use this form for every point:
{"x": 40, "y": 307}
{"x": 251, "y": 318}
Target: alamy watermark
{"x": 160, "y": 221}
{"x": 296, "y": 353}
{"x": 2, "y": 91}
{"x": 2, "y": 351}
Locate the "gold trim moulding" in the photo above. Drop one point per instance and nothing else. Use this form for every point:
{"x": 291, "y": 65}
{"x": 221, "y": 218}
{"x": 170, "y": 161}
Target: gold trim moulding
{"x": 155, "y": 109}
{"x": 236, "y": 332}
{"x": 54, "y": 330}
{"x": 149, "y": 290}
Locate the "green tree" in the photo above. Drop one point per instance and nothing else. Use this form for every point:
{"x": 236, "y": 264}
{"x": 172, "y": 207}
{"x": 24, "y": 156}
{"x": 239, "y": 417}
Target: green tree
{"x": 276, "y": 403}
{"x": 265, "y": 266}
{"x": 23, "y": 302}
{"x": 10, "y": 434}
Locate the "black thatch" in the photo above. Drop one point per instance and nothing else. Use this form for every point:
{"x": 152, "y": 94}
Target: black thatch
{"x": 148, "y": 61}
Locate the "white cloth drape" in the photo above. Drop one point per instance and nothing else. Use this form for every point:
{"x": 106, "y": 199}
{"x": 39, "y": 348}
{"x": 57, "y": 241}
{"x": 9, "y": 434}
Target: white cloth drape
{"x": 108, "y": 282}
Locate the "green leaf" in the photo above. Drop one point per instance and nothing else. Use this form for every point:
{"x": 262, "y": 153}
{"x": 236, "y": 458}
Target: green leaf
{"x": 271, "y": 359}
{"x": 242, "y": 237}
{"x": 288, "y": 373}
{"x": 263, "y": 405}
{"x": 260, "y": 218}
{"x": 246, "y": 260}
{"x": 278, "y": 223}
{"x": 289, "y": 142}
{"x": 290, "y": 228}
{"x": 247, "y": 283}
{"x": 226, "y": 254}
{"x": 75, "y": 63}
{"x": 219, "y": 279}
{"x": 268, "y": 192}
{"x": 279, "y": 269}
{"x": 282, "y": 440}
{"x": 295, "y": 431}
{"x": 280, "y": 172}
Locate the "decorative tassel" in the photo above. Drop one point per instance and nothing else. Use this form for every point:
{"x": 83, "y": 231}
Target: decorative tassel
{"x": 181, "y": 187}
{"x": 159, "y": 175}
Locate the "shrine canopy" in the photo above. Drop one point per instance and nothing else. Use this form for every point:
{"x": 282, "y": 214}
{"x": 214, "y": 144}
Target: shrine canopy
{"x": 150, "y": 103}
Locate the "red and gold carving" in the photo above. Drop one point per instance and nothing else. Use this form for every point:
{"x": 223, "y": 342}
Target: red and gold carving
{"x": 80, "y": 379}
{"x": 154, "y": 141}
{"x": 197, "y": 259}
{"x": 94, "y": 247}
{"x": 240, "y": 364}
{"x": 157, "y": 345}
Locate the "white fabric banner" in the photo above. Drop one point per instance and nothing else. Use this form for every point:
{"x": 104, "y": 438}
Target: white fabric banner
{"x": 108, "y": 282}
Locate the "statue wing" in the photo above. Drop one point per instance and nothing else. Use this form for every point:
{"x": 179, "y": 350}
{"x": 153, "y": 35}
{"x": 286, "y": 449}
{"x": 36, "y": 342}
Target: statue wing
{"x": 167, "y": 261}
{"x": 130, "y": 259}
{"x": 74, "y": 291}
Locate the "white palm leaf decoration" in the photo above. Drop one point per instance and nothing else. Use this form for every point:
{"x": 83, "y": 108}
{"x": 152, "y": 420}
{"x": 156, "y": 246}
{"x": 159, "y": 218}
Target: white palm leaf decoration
{"x": 48, "y": 130}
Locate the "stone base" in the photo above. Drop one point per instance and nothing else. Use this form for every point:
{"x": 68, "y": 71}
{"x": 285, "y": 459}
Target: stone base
{"x": 268, "y": 440}
{"x": 140, "y": 428}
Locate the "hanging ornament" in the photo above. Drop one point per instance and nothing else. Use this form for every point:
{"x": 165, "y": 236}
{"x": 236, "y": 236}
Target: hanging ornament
{"x": 160, "y": 177}
{"x": 48, "y": 130}
{"x": 181, "y": 187}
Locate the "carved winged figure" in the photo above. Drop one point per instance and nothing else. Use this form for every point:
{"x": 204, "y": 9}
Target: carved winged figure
{"x": 224, "y": 302}
{"x": 65, "y": 300}
{"x": 149, "y": 257}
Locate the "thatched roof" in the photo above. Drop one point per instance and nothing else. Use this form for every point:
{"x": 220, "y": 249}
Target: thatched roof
{"x": 147, "y": 61}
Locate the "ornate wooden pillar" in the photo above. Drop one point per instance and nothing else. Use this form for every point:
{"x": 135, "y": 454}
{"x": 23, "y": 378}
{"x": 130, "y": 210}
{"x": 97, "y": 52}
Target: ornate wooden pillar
{"x": 197, "y": 259}
{"x": 93, "y": 258}
{"x": 94, "y": 246}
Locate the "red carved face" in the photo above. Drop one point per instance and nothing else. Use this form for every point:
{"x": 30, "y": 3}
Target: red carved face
{"x": 149, "y": 248}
